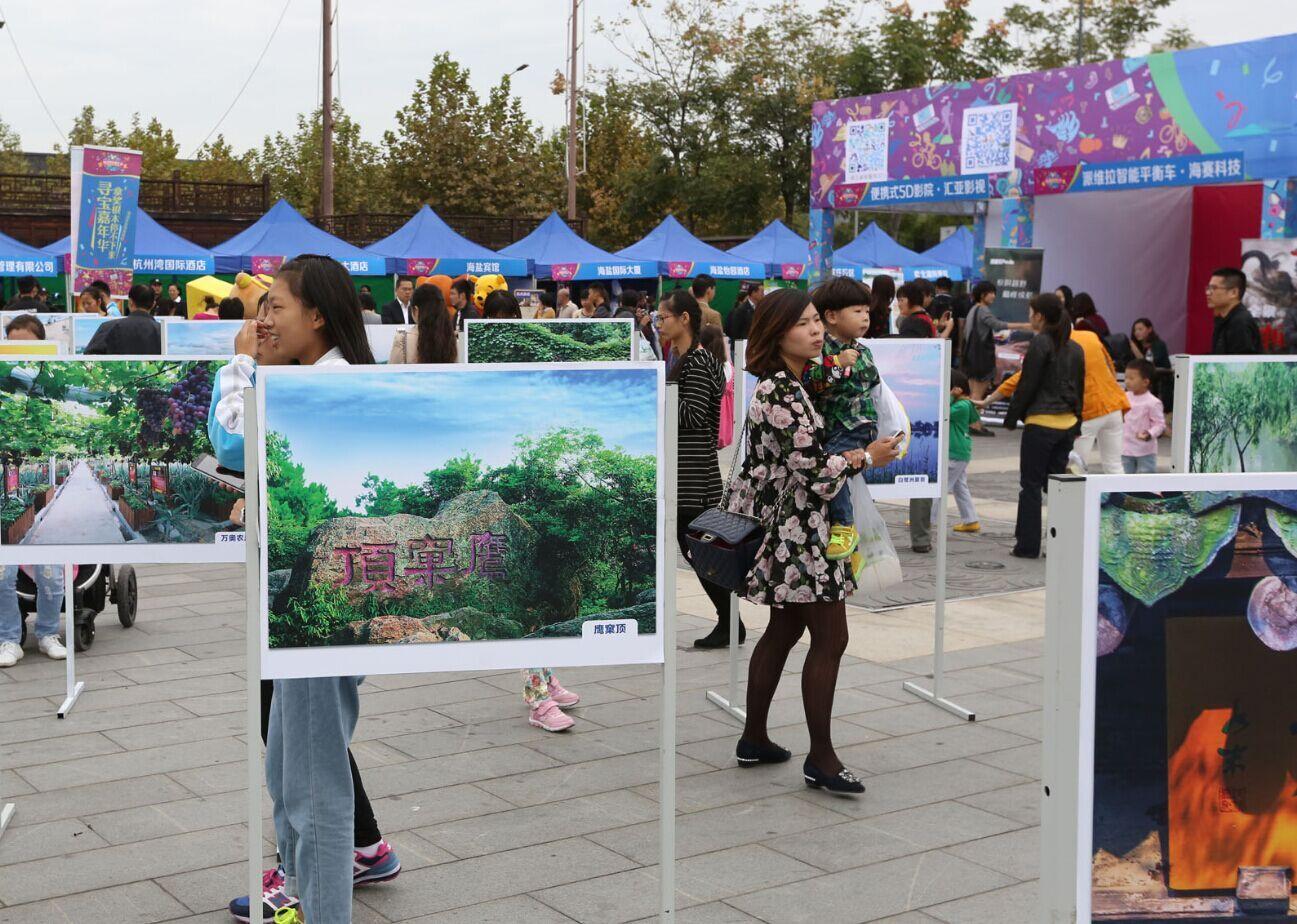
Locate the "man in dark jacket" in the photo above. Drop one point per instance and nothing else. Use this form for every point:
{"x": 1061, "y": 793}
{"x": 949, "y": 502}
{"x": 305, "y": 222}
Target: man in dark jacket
{"x": 28, "y": 298}
{"x": 1235, "y": 330}
{"x": 137, "y": 334}
{"x": 739, "y": 322}
{"x": 398, "y": 310}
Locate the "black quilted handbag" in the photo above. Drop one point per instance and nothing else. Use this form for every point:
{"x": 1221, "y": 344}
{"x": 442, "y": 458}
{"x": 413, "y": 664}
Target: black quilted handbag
{"x": 723, "y": 546}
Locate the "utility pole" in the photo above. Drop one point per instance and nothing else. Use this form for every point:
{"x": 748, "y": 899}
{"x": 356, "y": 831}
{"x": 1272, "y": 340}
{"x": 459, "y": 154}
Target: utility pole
{"x": 326, "y": 143}
{"x": 572, "y": 91}
{"x": 1080, "y": 31}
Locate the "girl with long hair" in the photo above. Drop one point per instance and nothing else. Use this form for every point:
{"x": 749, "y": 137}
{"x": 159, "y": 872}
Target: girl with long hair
{"x": 701, "y": 379}
{"x": 882, "y": 294}
{"x": 432, "y": 340}
{"x": 312, "y": 318}
{"x": 1049, "y": 400}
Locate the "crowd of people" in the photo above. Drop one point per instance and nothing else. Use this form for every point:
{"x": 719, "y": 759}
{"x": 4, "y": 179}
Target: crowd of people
{"x": 813, "y": 422}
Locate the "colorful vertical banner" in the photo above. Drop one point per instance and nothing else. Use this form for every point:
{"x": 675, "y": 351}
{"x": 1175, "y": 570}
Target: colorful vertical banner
{"x": 105, "y": 212}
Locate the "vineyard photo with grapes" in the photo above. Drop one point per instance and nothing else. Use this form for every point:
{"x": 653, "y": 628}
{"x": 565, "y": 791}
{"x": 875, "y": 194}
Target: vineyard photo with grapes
{"x": 100, "y": 452}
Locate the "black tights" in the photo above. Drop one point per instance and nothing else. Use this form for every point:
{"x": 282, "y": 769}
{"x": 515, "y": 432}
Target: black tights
{"x": 367, "y": 833}
{"x": 828, "y": 624}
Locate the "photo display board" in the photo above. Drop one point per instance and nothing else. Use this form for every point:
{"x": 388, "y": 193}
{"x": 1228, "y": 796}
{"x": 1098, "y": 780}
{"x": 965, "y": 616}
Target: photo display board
{"x": 579, "y": 340}
{"x": 215, "y": 339}
{"x": 1173, "y": 653}
{"x": 209, "y": 339}
{"x": 113, "y": 463}
{"x": 915, "y": 372}
{"x": 58, "y": 327}
{"x": 1235, "y": 414}
{"x": 471, "y": 518}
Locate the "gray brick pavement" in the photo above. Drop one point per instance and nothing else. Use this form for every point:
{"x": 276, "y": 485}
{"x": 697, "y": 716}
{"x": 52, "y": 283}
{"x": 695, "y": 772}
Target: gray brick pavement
{"x": 128, "y": 809}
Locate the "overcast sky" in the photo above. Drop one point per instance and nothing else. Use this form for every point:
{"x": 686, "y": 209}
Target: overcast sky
{"x": 184, "y": 60}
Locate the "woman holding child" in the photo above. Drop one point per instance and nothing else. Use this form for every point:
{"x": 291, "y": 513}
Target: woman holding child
{"x": 787, "y": 481}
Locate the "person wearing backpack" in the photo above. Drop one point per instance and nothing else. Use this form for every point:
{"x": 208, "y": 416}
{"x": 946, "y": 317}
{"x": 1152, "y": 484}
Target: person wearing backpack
{"x": 977, "y": 357}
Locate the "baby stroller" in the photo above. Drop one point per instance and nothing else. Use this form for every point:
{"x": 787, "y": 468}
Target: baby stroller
{"x": 96, "y": 586}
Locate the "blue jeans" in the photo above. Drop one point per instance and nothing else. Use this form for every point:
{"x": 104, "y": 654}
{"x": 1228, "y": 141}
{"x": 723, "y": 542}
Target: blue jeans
{"x": 49, "y": 602}
{"x": 1139, "y": 465}
{"x": 309, "y": 778}
{"x": 841, "y": 512}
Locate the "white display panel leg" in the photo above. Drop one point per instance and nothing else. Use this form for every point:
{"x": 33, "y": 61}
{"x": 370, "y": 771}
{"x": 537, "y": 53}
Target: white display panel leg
{"x": 70, "y": 636}
{"x": 730, "y": 700}
{"x": 1182, "y": 394}
{"x": 1064, "y": 879}
{"x": 934, "y": 695}
{"x": 6, "y": 815}
{"x": 667, "y": 741}
{"x": 252, "y": 530}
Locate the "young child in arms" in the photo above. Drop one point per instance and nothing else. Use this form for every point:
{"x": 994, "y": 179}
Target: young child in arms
{"x": 842, "y": 382}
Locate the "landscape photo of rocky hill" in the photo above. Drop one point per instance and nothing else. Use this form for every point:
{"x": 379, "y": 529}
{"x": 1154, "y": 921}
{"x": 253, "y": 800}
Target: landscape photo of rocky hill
{"x": 456, "y": 509}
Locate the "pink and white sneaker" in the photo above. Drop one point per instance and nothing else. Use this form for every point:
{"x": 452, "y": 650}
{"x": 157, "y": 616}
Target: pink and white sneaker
{"x": 566, "y": 699}
{"x": 548, "y": 716}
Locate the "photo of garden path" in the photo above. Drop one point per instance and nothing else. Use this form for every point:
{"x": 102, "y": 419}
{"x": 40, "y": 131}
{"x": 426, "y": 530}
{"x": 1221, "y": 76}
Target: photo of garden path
{"x": 102, "y": 452}
{"x": 451, "y": 519}
{"x": 549, "y": 341}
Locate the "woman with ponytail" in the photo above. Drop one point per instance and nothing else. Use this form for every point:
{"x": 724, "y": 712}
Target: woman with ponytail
{"x": 1049, "y": 401}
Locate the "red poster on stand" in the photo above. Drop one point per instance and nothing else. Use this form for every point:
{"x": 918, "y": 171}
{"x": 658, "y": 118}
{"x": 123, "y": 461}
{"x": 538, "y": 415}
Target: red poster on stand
{"x": 158, "y": 482}
{"x": 11, "y": 479}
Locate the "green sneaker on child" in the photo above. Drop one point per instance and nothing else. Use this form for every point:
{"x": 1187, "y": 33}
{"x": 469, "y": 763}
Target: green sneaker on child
{"x": 842, "y": 542}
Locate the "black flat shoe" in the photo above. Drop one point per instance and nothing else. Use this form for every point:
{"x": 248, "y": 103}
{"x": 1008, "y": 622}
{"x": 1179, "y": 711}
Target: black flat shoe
{"x": 845, "y": 781}
{"x": 719, "y": 637}
{"x": 1017, "y": 553}
{"x": 750, "y": 755}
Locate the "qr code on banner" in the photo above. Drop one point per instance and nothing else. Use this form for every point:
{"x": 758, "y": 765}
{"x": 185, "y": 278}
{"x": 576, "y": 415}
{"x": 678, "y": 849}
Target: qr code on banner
{"x": 986, "y": 144}
{"x": 866, "y": 160}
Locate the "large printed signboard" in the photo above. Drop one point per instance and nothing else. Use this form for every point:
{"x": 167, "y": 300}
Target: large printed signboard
{"x": 114, "y": 463}
{"x": 1171, "y": 781}
{"x": 1203, "y": 115}
{"x": 438, "y": 531}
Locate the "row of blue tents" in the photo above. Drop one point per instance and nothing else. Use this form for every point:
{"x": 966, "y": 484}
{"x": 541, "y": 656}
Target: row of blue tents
{"x": 553, "y": 251}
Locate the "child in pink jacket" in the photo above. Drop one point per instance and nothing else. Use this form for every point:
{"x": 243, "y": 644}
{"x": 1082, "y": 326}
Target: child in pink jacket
{"x": 1143, "y": 423}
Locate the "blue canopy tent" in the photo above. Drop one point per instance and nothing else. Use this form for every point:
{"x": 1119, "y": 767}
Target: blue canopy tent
{"x": 425, "y": 245}
{"x": 157, "y": 250}
{"x": 874, "y": 248}
{"x": 779, "y": 247}
{"x": 283, "y": 233}
{"x": 670, "y": 250}
{"x": 956, "y": 250}
{"x": 17, "y": 259}
{"x": 557, "y": 252}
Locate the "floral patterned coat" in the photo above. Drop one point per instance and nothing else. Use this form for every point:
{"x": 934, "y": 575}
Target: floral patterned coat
{"x": 785, "y": 449}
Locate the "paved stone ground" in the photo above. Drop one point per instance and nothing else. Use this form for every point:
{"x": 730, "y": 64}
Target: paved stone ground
{"x": 129, "y": 810}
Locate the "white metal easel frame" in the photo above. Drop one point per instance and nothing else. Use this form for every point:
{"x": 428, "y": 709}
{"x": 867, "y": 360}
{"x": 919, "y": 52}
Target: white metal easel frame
{"x": 934, "y": 695}
{"x": 667, "y": 627}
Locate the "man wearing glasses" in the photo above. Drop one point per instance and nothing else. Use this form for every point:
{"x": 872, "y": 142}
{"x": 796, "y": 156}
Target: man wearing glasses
{"x": 1235, "y": 330}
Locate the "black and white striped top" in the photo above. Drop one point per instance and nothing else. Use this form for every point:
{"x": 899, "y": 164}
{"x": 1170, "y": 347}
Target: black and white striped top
{"x": 701, "y": 380}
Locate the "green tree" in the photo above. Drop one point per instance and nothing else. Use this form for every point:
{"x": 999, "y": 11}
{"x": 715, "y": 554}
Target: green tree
{"x": 217, "y": 161}
{"x": 157, "y": 144}
{"x": 293, "y": 163}
{"x": 460, "y": 154}
{"x": 1112, "y": 29}
{"x": 296, "y": 508}
{"x": 11, "y": 150}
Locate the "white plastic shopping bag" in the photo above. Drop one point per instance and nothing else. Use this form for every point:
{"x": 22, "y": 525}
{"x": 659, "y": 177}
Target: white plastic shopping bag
{"x": 892, "y": 417}
{"x": 882, "y": 566}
